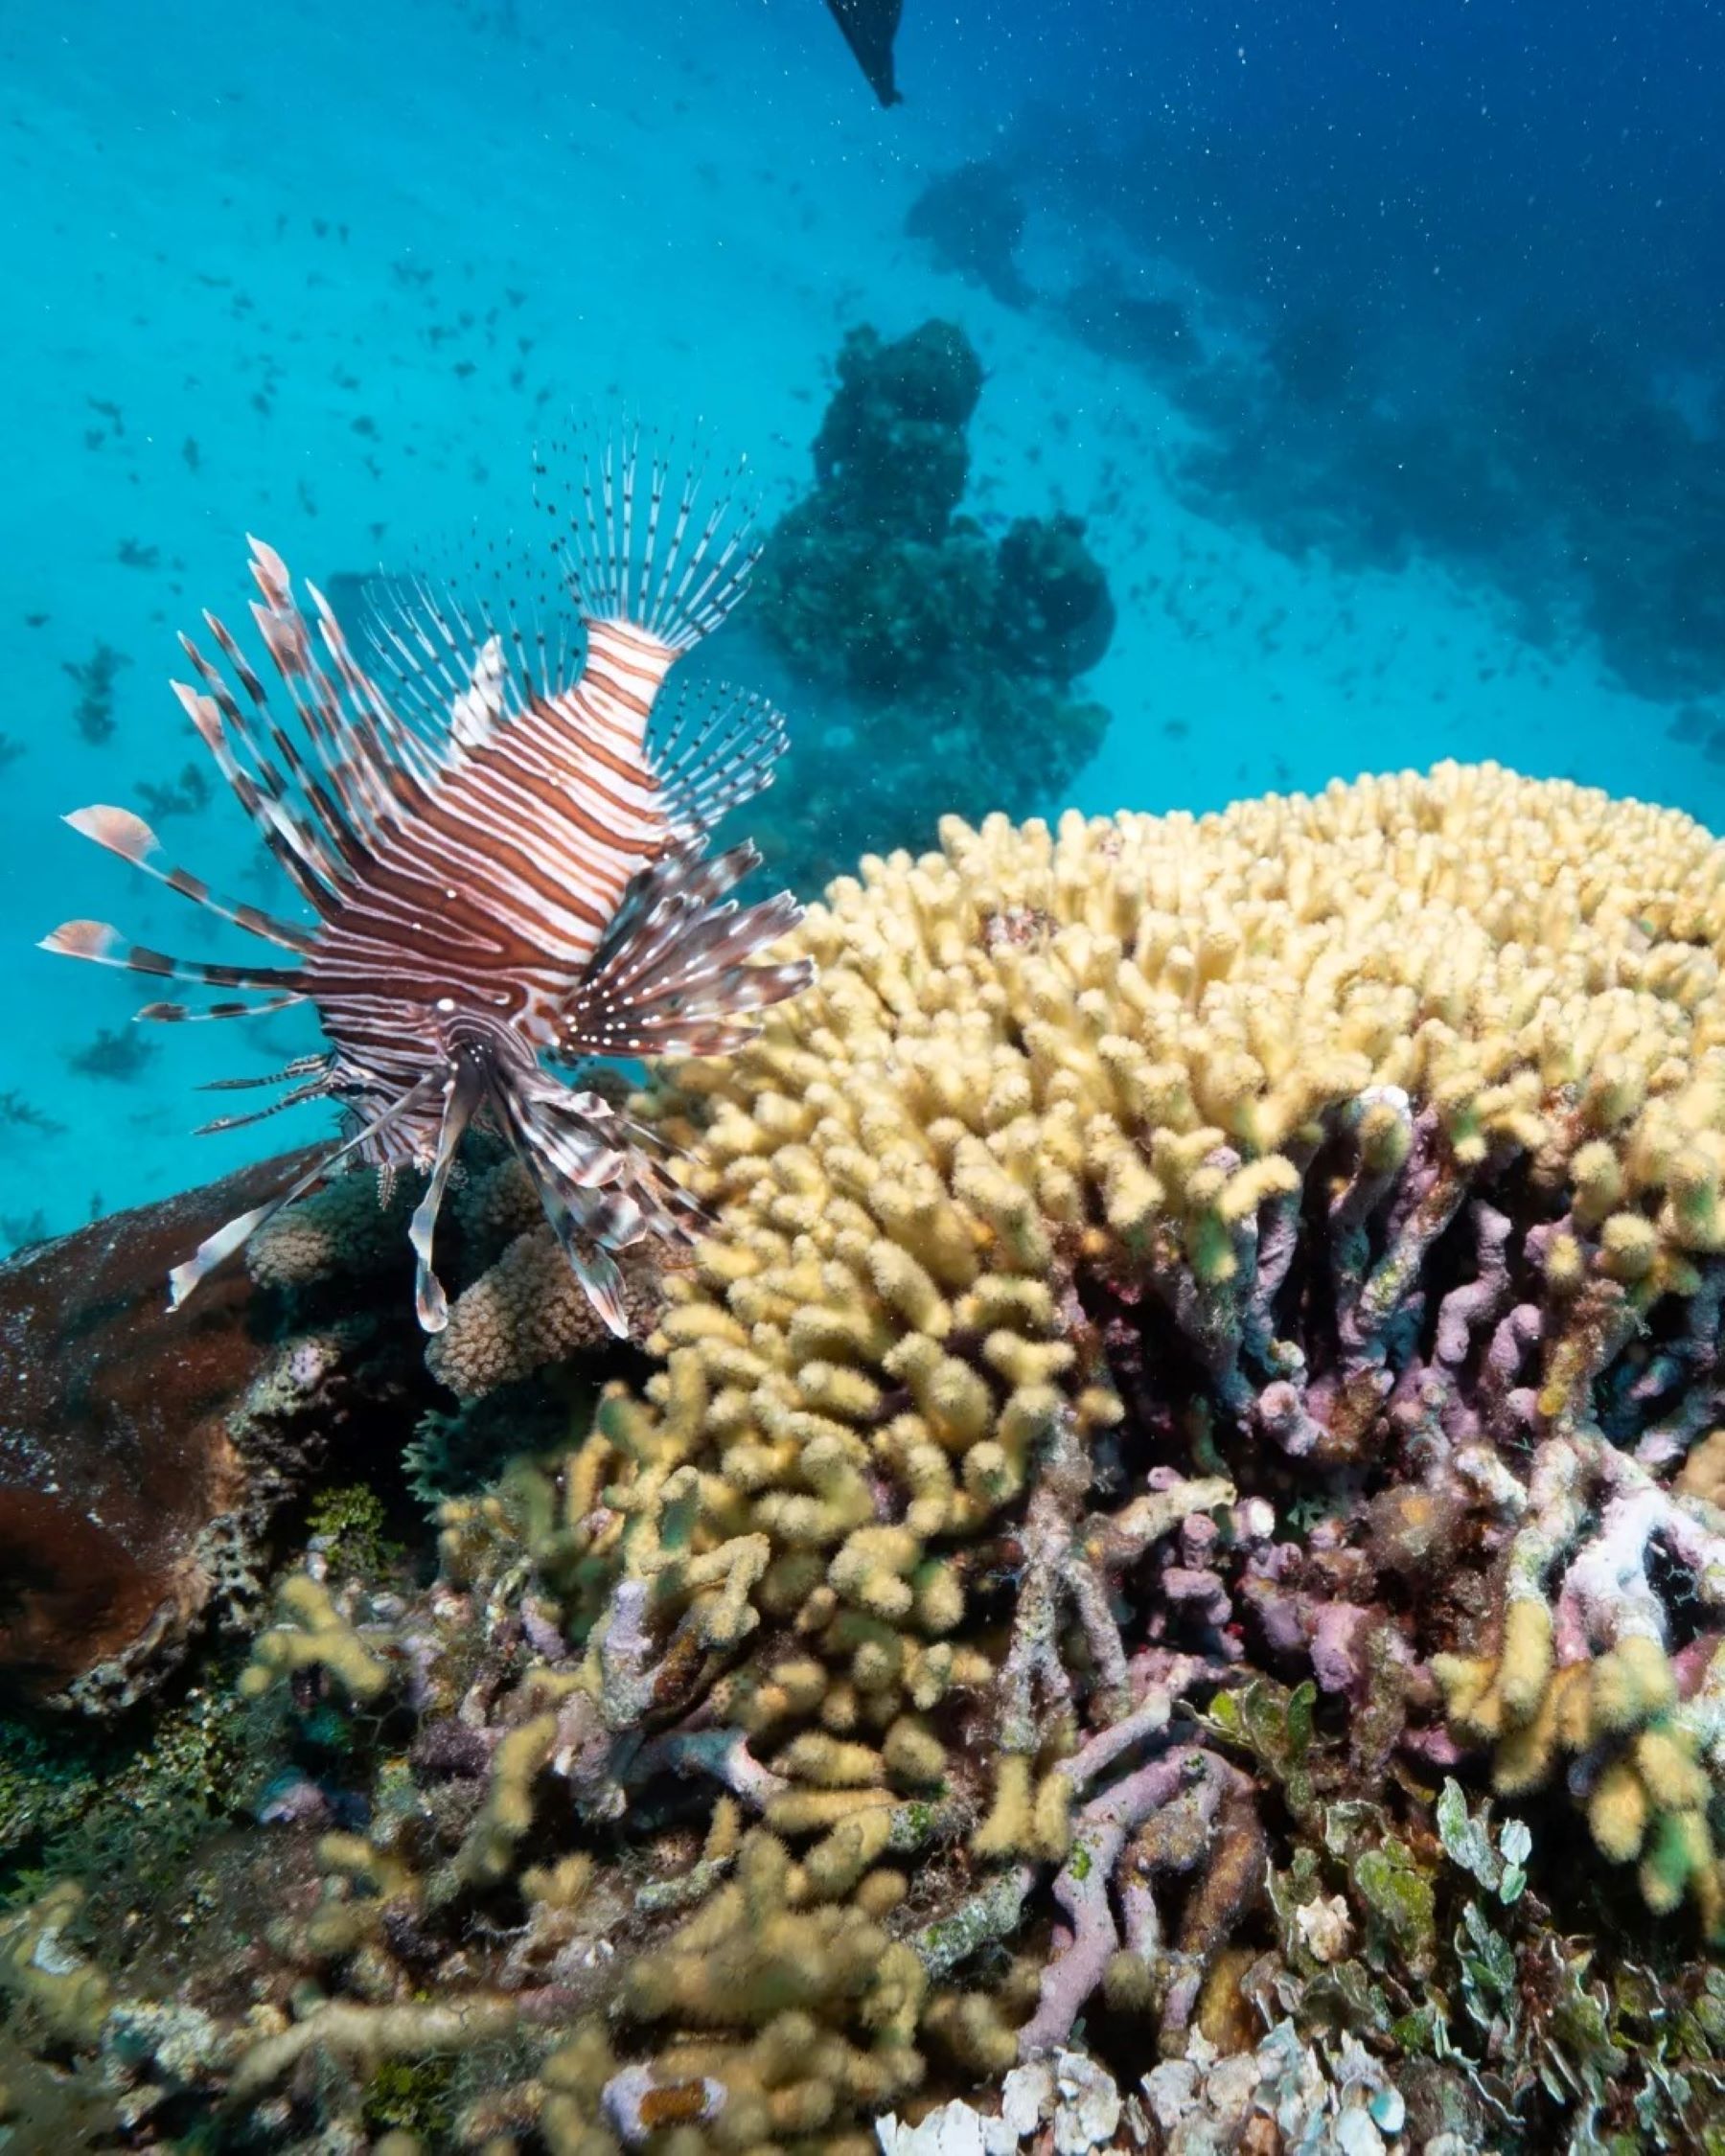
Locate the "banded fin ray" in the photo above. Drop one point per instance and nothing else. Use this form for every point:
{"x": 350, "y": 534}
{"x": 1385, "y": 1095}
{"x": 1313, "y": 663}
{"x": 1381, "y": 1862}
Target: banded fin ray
{"x": 403, "y": 749}
{"x": 129, "y": 835}
{"x": 105, "y": 946}
{"x": 295, "y": 771}
{"x": 675, "y": 586}
{"x": 711, "y": 760}
{"x": 315, "y": 1090}
{"x": 182, "y": 1013}
{"x": 445, "y": 658}
{"x": 673, "y": 973}
{"x": 465, "y": 1088}
{"x": 297, "y": 1068}
{"x": 356, "y": 757}
{"x": 260, "y": 790}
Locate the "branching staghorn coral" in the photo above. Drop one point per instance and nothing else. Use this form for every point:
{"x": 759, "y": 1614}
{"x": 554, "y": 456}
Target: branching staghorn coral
{"x": 1185, "y": 1298}
{"x": 1370, "y": 1140}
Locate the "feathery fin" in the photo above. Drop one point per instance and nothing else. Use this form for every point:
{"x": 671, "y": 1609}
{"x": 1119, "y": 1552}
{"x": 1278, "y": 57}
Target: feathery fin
{"x": 711, "y": 758}
{"x": 675, "y": 972}
{"x": 672, "y": 587}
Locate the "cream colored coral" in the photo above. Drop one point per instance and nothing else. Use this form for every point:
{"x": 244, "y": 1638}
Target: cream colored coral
{"x": 528, "y": 1310}
{"x": 1112, "y": 1050}
{"x": 1039, "y": 1044}
{"x": 312, "y": 1633}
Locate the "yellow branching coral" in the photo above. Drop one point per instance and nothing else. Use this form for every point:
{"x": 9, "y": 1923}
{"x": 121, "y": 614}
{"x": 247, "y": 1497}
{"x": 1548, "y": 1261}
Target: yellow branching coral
{"x": 312, "y": 1633}
{"x": 1046, "y": 1068}
{"x": 1158, "y": 1250}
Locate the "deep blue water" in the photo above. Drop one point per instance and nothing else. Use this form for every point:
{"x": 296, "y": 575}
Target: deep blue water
{"x": 1380, "y": 348}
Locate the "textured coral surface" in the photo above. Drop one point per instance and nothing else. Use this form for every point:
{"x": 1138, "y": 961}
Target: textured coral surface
{"x": 127, "y": 1499}
{"x": 1203, "y": 1380}
{"x": 934, "y": 663}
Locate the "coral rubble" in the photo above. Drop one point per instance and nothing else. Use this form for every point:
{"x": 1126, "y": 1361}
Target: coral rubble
{"x": 1206, "y": 1364}
{"x": 941, "y": 662}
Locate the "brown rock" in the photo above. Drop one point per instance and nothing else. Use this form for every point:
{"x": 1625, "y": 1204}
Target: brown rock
{"x": 141, "y": 1450}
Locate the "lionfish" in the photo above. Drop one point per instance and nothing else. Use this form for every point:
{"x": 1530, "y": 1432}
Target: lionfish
{"x": 506, "y": 862}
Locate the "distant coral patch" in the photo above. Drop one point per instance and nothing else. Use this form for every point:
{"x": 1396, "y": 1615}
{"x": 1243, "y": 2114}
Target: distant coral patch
{"x": 938, "y": 662}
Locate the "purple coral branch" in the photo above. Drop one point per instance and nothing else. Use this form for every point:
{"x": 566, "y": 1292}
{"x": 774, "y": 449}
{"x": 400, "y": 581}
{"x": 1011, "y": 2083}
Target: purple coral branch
{"x": 1082, "y": 1890}
{"x": 1466, "y": 1308}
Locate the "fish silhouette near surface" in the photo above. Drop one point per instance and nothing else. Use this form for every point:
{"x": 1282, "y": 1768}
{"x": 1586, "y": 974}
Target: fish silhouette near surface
{"x": 869, "y": 27}
{"x": 507, "y": 859}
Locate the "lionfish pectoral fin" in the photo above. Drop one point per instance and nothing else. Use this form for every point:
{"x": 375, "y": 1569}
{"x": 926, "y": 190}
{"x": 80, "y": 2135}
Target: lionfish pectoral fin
{"x": 105, "y": 946}
{"x": 464, "y": 1088}
{"x": 677, "y": 971}
{"x": 225, "y": 1241}
{"x": 119, "y": 832}
{"x": 316, "y": 1090}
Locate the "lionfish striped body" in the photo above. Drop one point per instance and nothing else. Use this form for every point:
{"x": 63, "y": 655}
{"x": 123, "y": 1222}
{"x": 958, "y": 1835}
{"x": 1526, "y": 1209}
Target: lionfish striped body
{"x": 505, "y": 862}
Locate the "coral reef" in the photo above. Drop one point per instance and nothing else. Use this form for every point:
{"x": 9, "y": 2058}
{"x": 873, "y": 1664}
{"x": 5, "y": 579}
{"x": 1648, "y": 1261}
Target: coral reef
{"x": 143, "y": 1455}
{"x": 973, "y": 220}
{"x": 1205, "y": 1358}
{"x": 943, "y": 658}
{"x": 516, "y": 1310}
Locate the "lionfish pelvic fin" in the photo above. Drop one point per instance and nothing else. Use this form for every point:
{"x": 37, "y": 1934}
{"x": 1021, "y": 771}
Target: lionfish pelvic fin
{"x": 240, "y": 1231}
{"x": 601, "y": 1181}
{"x": 465, "y": 1087}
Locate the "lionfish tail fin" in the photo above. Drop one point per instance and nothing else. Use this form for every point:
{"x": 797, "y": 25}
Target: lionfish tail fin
{"x": 652, "y": 553}
{"x": 679, "y": 970}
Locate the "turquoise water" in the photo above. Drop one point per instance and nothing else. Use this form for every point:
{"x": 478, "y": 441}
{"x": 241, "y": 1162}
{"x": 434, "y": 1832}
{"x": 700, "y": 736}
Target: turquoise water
{"x": 1382, "y": 360}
